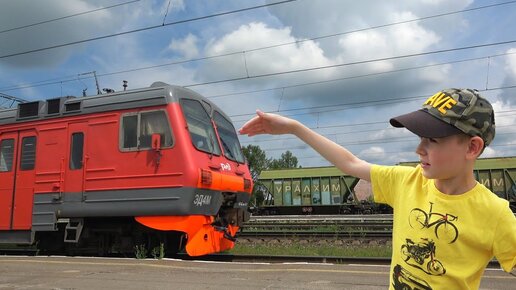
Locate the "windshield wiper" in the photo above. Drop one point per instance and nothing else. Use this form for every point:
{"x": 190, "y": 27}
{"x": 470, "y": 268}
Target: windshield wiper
{"x": 230, "y": 154}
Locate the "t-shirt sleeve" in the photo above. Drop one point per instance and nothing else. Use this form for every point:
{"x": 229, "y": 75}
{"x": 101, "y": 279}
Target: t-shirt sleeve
{"x": 504, "y": 245}
{"x": 386, "y": 180}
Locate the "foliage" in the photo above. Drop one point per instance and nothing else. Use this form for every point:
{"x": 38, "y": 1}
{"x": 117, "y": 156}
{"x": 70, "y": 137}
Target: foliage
{"x": 140, "y": 251}
{"x": 158, "y": 252}
{"x": 258, "y": 161}
{"x": 313, "y": 249}
{"x": 287, "y": 161}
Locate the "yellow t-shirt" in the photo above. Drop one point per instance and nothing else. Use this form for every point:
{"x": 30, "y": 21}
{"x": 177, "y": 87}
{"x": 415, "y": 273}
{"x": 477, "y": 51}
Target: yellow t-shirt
{"x": 442, "y": 241}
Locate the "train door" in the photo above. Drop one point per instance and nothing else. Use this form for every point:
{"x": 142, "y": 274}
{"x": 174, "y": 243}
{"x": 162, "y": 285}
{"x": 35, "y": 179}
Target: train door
{"x": 24, "y": 181}
{"x": 8, "y": 154}
{"x": 74, "y": 178}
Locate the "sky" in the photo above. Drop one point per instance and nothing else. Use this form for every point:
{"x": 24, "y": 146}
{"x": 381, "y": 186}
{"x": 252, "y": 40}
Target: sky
{"x": 343, "y": 68}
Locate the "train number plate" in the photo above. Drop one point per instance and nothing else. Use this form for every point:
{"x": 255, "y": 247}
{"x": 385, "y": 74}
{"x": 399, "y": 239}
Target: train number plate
{"x": 202, "y": 200}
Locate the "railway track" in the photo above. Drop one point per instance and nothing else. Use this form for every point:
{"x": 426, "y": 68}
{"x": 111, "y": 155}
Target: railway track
{"x": 370, "y": 226}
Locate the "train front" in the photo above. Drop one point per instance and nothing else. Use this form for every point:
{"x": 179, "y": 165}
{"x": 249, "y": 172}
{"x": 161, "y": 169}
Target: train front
{"x": 216, "y": 177}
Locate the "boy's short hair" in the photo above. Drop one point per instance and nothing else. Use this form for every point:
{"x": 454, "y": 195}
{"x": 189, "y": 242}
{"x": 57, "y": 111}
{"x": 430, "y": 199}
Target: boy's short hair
{"x": 451, "y": 112}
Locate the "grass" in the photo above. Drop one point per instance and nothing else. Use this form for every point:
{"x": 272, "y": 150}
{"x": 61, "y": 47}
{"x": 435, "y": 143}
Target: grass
{"x": 297, "y": 249}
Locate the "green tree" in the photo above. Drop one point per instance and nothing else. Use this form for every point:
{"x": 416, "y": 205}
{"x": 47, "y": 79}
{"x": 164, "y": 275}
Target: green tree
{"x": 257, "y": 161}
{"x": 287, "y": 160}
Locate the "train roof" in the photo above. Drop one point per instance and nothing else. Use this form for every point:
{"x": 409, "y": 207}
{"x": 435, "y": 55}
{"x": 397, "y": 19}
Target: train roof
{"x": 158, "y": 93}
{"x": 481, "y": 164}
{"x": 301, "y": 172}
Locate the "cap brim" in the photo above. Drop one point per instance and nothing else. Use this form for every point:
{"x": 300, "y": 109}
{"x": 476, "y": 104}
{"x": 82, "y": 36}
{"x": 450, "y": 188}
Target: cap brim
{"x": 425, "y": 125}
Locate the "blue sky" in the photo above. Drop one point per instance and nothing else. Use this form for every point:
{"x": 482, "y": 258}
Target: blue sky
{"x": 351, "y": 104}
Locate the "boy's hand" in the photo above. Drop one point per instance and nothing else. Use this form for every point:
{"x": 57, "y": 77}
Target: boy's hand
{"x": 265, "y": 123}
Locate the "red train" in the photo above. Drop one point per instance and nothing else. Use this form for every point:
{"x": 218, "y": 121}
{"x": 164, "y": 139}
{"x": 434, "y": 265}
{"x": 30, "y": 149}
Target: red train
{"x": 159, "y": 165}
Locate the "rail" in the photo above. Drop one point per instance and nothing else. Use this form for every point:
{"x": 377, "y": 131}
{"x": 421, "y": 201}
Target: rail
{"x": 318, "y": 226}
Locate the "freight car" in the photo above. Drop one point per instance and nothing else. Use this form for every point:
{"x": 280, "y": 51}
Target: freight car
{"x": 326, "y": 190}
{"x": 106, "y": 173}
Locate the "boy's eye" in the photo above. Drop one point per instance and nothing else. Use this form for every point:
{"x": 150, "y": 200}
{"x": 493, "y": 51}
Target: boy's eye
{"x": 432, "y": 140}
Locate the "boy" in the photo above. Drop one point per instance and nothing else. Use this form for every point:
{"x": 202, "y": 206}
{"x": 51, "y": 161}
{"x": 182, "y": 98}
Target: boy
{"x": 447, "y": 226}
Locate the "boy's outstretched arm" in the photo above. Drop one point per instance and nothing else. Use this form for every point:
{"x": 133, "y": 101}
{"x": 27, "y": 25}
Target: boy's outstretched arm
{"x": 274, "y": 124}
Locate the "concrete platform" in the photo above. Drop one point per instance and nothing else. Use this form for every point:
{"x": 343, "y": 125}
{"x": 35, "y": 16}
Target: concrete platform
{"x": 112, "y": 273}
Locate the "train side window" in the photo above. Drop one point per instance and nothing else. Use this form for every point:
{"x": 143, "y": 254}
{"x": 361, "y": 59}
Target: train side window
{"x": 76, "y": 150}
{"x": 154, "y": 122}
{"x": 6, "y": 155}
{"x": 28, "y": 153}
{"x": 130, "y": 132}
{"x": 137, "y": 129}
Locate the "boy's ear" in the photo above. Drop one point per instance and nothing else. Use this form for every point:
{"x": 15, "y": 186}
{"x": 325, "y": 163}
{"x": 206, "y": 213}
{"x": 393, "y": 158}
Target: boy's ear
{"x": 475, "y": 147}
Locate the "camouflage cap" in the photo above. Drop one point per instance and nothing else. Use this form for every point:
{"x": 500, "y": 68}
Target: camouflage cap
{"x": 450, "y": 112}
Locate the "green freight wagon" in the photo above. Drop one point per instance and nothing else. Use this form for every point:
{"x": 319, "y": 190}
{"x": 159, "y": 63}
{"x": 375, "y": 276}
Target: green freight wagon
{"x": 320, "y": 190}
{"x": 497, "y": 174}
{"x": 326, "y": 190}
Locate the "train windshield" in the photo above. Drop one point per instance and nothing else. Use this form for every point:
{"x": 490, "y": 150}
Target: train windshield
{"x": 200, "y": 127}
{"x": 228, "y": 138}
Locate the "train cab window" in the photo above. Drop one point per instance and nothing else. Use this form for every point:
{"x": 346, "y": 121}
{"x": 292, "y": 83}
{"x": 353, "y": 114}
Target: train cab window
{"x": 76, "y": 150}
{"x": 137, "y": 130}
{"x": 200, "y": 126}
{"x": 154, "y": 123}
{"x": 6, "y": 155}
{"x": 228, "y": 138}
{"x": 28, "y": 153}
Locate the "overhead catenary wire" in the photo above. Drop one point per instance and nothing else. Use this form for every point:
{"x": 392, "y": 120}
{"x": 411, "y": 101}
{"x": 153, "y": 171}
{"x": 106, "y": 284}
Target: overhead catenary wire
{"x": 348, "y": 145}
{"x": 73, "y": 78}
{"x": 60, "y": 80}
{"x": 144, "y": 29}
{"x": 369, "y": 154}
{"x": 353, "y": 63}
{"x": 354, "y": 105}
{"x": 326, "y": 81}
{"x": 68, "y": 16}
{"x": 336, "y": 134}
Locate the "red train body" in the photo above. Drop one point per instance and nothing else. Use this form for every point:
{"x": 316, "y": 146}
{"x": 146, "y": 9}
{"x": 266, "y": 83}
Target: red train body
{"x": 78, "y": 172}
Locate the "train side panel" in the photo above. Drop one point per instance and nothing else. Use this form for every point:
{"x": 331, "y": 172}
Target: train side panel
{"x": 126, "y": 155}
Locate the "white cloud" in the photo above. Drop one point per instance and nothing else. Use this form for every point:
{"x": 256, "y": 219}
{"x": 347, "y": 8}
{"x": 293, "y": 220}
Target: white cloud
{"x": 511, "y": 63}
{"x": 403, "y": 39}
{"x": 18, "y": 13}
{"x": 256, "y": 34}
{"x": 278, "y": 24}
{"x": 187, "y": 46}
{"x": 489, "y": 152}
{"x": 374, "y": 151}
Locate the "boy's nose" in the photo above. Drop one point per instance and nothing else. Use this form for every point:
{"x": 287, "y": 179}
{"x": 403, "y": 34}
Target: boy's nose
{"x": 420, "y": 148}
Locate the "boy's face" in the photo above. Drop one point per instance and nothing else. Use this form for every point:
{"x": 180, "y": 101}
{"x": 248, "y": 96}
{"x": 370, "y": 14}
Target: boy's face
{"x": 443, "y": 158}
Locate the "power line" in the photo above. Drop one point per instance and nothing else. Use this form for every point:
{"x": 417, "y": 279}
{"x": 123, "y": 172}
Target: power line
{"x": 354, "y": 105}
{"x": 385, "y": 25}
{"x": 293, "y": 71}
{"x": 390, "y": 152}
{"x": 72, "y": 78}
{"x": 144, "y": 29}
{"x": 336, "y": 134}
{"x": 411, "y": 138}
{"x": 68, "y": 16}
{"x": 353, "y": 63}
{"x": 361, "y": 76}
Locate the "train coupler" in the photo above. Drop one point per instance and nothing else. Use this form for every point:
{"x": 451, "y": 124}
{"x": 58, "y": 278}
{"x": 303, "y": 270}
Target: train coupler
{"x": 226, "y": 232}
